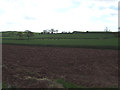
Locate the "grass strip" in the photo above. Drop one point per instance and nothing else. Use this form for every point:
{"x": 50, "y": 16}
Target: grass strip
{"x": 68, "y": 84}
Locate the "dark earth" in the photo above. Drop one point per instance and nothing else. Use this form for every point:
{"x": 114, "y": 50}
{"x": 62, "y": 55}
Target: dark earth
{"x": 39, "y": 67}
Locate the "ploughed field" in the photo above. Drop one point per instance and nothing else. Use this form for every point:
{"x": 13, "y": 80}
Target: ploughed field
{"x": 84, "y": 67}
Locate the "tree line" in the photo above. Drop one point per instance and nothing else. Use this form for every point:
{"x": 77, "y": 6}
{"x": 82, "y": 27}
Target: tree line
{"x": 26, "y": 33}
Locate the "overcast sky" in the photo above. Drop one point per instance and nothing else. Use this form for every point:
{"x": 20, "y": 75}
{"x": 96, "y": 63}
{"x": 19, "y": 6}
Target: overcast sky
{"x": 62, "y": 15}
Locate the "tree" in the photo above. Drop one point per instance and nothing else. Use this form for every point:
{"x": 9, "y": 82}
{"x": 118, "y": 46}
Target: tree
{"x": 106, "y": 29}
{"x": 52, "y": 31}
{"x": 56, "y": 31}
{"x": 10, "y": 33}
{"x": 76, "y": 32}
{"x": 29, "y": 33}
{"x": 20, "y": 34}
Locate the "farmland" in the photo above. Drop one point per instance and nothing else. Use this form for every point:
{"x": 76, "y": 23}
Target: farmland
{"x": 49, "y": 60}
{"x": 90, "y": 40}
{"x": 24, "y": 66}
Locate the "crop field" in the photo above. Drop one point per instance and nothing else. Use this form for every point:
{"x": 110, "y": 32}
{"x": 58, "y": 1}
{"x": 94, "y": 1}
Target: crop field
{"x": 90, "y": 40}
{"x": 85, "y": 60}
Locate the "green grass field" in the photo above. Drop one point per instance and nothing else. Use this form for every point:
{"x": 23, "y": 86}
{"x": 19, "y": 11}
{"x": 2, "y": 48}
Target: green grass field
{"x": 109, "y": 43}
{"x": 82, "y": 40}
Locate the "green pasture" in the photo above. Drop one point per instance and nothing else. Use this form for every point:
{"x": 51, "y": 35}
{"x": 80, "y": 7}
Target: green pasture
{"x": 82, "y": 40}
{"x": 87, "y": 43}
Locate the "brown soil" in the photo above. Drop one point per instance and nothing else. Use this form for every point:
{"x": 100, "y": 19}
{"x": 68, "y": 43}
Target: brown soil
{"x": 27, "y": 66}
